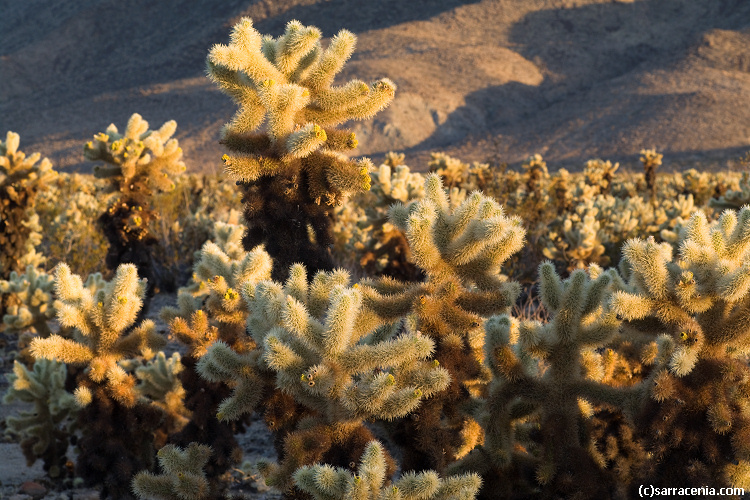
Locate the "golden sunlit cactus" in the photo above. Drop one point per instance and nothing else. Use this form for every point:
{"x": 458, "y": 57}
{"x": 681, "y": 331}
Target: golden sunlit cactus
{"x": 22, "y": 178}
{"x": 334, "y": 357}
{"x": 696, "y": 308}
{"x": 137, "y": 163}
{"x": 461, "y": 250}
{"x": 293, "y": 169}
{"x": 103, "y": 337}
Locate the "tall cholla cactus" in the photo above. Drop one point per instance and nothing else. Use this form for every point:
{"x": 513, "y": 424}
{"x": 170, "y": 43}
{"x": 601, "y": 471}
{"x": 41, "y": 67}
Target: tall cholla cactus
{"x": 21, "y": 179}
{"x": 138, "y": 163}
{"x": 294, "y": 170}
{"x": 101, "y": 322}
{"x": 561, "y": 396}
{"x": 461, "y": 251}
{"x": 651, "y": 161}
{"x": 696, "y": 308}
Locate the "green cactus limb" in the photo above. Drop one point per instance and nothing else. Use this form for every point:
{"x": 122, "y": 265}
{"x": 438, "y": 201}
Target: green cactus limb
{"x": 561, "y": 396}
{"x": 182, "y": 477}
{"x": 31, "y": 302}
{"x": 370, "y": 481}
{"x": 44, "y": 432}
{"x": 158, "y": 380}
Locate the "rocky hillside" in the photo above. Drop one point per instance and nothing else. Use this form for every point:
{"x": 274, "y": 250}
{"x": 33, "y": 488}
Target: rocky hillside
{"x": 503, "y": 79}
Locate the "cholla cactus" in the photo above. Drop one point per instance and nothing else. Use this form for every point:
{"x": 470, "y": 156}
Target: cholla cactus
{"x": 21, "y": 180}
{"x": 651, "y": 161}
{"x": 72, "y": 225}
{"x": 182, "y": 477}
{"x": 30, "y": 302}
{"x": 561, "y": 187}
{"x": 455, "y": 173}
{"x": 102, "y": 321}
{"x": 333, "y": 357}
{"x": 560, "y": 397}
{"x": 324, "y": 482}
{"x": 214, "y": 296}
{"x": 734, "y": 198}
{"x": 43, "y": 431}
{"x": 695, "y": 307}
{"x": 159, "y": 381}
{"x": 531, "y": 201}
{"x": 212, "y": 309}
{"x": 461, "y": 251}
{"x": 578, "y": 242}
{"x": 600, "y": 173}
{"x": 294, "y": 170}
{"x": 137, "y": 163}
{"x": 380, "y": 247}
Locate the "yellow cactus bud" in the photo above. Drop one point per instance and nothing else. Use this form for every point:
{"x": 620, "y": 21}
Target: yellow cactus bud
{"x": 122, "y": 300}
{"x": 390, "y": 380}
{"x": 267, "y": 83}
{"x": 230, "y": 294}
{"x": 319, "y": 132}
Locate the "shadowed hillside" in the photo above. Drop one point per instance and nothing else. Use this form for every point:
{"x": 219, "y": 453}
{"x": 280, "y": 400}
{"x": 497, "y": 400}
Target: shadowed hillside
{"x": 506, "y": 78}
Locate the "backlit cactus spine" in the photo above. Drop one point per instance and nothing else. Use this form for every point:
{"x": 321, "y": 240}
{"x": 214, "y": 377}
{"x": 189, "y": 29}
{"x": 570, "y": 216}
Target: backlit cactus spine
{"x": 118, "y": 426}
{"x": 294, "y": 170}
{"x": 697, "y": 309}
{"x": 461, "y": 251}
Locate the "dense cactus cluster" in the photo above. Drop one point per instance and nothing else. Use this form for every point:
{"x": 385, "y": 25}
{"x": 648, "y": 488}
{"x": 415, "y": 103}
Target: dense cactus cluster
{"x": 421, "y": 312}
{"x": 22, "y": 179}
